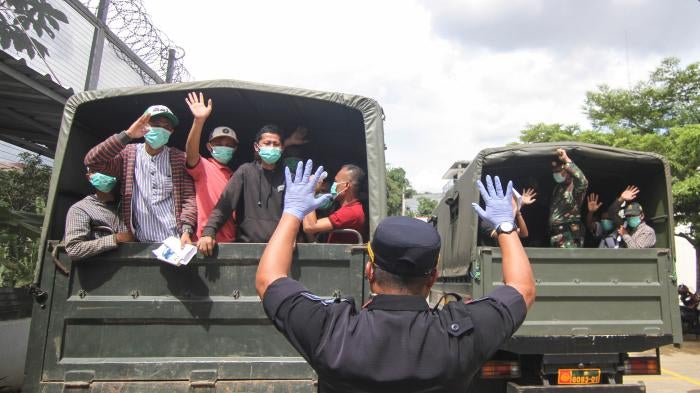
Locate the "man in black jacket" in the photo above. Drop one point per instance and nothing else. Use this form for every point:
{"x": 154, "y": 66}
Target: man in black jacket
{"x": 255, "y": 192}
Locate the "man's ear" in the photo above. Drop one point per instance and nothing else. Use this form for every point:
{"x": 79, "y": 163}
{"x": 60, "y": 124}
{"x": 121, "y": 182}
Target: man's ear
{"x": 369, "y": 271}
{"x": 210, "y": 147}
{"x": 433, "y": 277}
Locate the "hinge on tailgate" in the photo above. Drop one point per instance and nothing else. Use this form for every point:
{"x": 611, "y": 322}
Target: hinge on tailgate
{"x": 203, "y": 378}
{"x": 78, "y": 379}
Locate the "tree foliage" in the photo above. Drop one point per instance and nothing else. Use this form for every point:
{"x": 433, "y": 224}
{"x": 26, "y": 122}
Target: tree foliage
{"x": 17, "y": 17}
{"x": 669, "y": 98}
{"x": 398, "y": 187}
{"x": 426, "y": 206}
{"x": 22, "y": 202}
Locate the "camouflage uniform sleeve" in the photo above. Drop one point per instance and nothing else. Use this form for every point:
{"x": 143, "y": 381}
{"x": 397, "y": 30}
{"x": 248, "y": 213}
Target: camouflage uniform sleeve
{"x": 580, "y": 183}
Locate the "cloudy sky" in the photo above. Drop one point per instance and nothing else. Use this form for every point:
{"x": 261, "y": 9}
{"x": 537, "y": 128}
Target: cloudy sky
{"x": 453, "y": 77}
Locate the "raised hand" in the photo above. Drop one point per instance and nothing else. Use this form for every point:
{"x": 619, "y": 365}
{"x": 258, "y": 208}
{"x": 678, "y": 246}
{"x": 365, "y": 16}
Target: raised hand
{"x": 139, "y": 128}
{"x": 199, "y": 110}
{"x": 593, "y": 204}
{"x": 499, "y": 206}
{"x": 563, "y": 157}
{"x": 299, "y": 199}
{"x": 630, "y": 193}
{"x": 529, "y": 195}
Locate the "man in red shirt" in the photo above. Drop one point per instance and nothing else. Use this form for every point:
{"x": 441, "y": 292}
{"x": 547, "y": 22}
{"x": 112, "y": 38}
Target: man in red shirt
{"x": 211, "y": 174}
{"x": 350, "y": 215}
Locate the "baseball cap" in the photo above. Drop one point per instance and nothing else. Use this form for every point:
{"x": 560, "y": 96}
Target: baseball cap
{"x": 164, "y": 111}
{"x": 223, "y": 131}
{"x": 633, "y": 209}
{"x": 405, "y": 246}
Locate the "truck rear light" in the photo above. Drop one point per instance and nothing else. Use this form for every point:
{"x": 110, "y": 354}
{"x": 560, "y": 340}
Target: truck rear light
{"x": 643, "y": 365}
{"x": 500, "y": 369}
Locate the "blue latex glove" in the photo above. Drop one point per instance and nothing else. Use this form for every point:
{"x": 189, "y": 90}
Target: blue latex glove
{"x": 299, "y": 199}
{"x": 499, "y": 207}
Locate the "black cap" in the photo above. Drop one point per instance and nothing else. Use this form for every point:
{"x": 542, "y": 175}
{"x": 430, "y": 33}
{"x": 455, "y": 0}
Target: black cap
{"x": 405, "y": 246}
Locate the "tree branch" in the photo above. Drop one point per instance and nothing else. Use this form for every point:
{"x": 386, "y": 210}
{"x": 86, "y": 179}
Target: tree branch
{"x": 692, "y": 240}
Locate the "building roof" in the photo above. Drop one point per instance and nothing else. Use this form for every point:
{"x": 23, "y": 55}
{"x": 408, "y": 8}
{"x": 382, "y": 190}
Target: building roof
{"x": 456, "y": 169}
{"x": 31, "y": 106}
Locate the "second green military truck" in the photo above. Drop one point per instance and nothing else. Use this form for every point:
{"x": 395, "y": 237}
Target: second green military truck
{"x": 594, "y": 306}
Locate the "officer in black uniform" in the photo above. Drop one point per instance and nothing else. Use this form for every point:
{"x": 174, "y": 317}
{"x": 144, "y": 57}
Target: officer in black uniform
{"x": 395, "y": 343}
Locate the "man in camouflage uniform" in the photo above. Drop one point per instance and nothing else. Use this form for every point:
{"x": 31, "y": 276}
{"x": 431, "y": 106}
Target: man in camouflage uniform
{"x": 565, "y": 226}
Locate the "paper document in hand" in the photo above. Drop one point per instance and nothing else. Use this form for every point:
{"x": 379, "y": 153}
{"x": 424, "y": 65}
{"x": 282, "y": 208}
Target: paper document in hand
{"x": 171, "y": 252}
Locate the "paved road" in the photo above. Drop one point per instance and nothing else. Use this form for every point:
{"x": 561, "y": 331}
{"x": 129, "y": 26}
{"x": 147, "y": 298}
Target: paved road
{"x": 680, "y": 369}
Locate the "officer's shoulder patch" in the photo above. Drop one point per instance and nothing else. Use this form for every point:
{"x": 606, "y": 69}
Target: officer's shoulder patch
{"x": 325, "y": 301}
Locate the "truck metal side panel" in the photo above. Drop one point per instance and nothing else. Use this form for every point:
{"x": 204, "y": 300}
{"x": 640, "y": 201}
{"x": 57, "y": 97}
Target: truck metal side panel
{"x": 126, "y": 317}
{"x": 600, "y": 293}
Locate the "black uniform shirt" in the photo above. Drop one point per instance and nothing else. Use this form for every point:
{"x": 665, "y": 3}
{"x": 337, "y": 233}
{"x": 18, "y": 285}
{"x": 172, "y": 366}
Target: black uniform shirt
{"x": 396, "y": 343}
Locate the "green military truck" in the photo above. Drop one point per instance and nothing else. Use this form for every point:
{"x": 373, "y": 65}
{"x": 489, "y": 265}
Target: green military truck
{"x": 123, "y": 321}
{"x": 594, "y": 306}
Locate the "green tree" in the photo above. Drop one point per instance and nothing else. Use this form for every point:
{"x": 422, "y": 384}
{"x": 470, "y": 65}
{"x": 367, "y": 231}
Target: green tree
{"x": 398, "y": 187}
{"x": 19, "y": 16}
{"x": 22, "y": 202}
{"x": 426, "y": 206}
{"x": 670, "y": 97}
{"x": 661, "y": 115}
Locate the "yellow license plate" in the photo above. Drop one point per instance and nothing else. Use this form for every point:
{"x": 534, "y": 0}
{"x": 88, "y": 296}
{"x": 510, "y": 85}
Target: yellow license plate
{"x": 578, "y": 376}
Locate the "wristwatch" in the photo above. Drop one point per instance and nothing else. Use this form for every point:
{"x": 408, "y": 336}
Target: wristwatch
{"x": 505, "y": 227}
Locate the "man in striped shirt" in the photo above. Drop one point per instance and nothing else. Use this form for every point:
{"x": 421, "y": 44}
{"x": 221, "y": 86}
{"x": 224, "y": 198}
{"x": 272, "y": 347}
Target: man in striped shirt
{"x": 158, "y": 198}
{"x": 635, "y": 233}
{"x": 93, "y": 225}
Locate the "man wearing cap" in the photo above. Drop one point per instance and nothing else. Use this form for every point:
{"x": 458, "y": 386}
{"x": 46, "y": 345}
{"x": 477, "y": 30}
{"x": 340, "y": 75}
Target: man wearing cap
{"x": 158, "y": 199}
{"x": 395, "y": 343}
{"x": 634, "y": 231}
{"x": 210, "y": 174}
{"x": 93, "y": 225}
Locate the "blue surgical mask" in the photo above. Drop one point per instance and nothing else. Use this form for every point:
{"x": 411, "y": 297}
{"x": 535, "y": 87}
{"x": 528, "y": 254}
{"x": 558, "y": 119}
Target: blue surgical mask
{"x": 270, "y": 154}
{"x": 102, "y": 182}
{"x": 157, "y": 137}
{"x": 634, "y": 221}
{"x": 607, "y": 225}
{"x": 558, "y": 177}
{"x": 223, "y": 154}
{"x": 334, "y": 189}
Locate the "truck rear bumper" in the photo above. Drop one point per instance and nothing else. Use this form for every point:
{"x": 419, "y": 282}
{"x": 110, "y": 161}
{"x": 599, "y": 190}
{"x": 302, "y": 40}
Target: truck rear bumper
{"x": 626, "y": 388}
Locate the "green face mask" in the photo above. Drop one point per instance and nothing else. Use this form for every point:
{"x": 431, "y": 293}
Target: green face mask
{"x": 633, "y": 221}
{"x": 103, "y": 182}
{"x": 270, "y": 154}
{"x": 558, "y": 177}
{"x": 157, "y": 137}
{"x": 327, "y": 203}
{"x": 607, "y": 225}
{"x": 291, "y": 163}
{"x": 223, "y": 154}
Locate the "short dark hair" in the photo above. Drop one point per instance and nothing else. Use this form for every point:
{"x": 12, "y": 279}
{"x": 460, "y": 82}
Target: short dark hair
{"x": 268, "y": 129}
{"x": 409, "y": 284}
{"x": 357, "y": 175}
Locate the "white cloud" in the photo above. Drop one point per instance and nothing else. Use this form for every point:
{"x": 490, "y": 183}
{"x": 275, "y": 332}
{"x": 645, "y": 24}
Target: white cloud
{"x": 445, "y": 96}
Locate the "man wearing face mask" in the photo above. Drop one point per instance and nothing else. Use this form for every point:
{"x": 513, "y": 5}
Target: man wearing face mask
{"x": 93, "y": 225}
{"x": 350, "y": 215}
{"x": 634, "y": 232}
{"x": 565, "y": 227}
{"x": 210, "y": 174}
{"x": 603, "y": 229}
{"x": 260, "y": 185}
{"x": 158, "y": 199}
